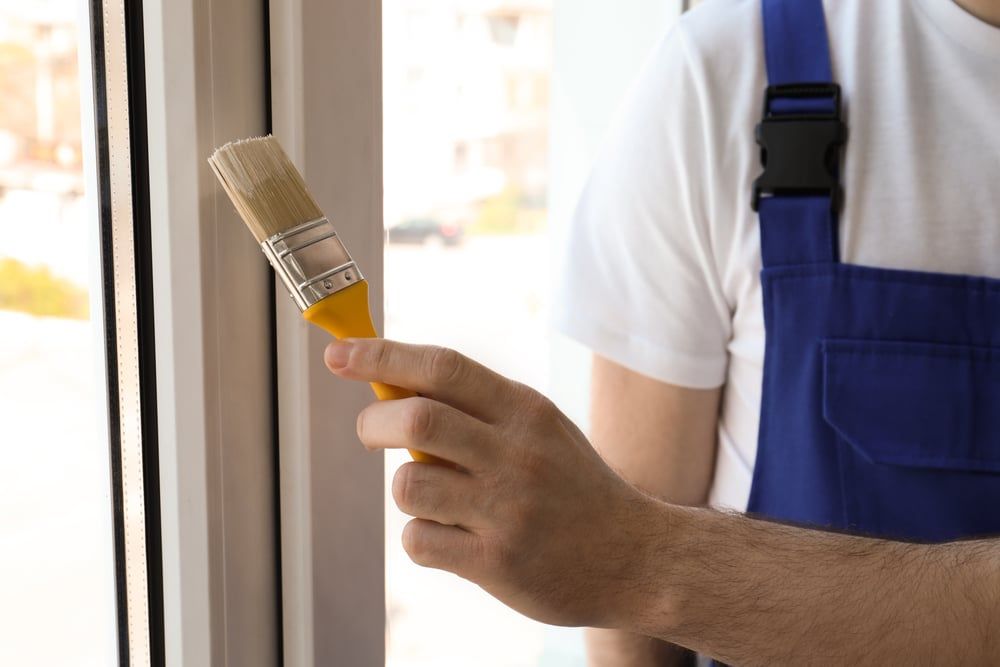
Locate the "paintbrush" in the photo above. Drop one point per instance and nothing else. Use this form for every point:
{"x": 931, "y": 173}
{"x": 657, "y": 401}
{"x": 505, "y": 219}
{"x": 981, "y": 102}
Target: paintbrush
{"x": 301, "y": 243}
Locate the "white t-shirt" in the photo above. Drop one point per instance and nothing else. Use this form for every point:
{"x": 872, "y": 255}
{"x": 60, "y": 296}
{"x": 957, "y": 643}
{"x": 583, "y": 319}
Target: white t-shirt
{"x": 663, "y": 261}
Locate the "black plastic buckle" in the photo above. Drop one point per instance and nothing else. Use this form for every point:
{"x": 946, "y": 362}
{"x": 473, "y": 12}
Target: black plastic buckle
{"x": 800, "y": 152}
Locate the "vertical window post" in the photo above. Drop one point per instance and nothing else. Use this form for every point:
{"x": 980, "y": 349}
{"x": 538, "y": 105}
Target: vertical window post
{"x": 327, "y": 112}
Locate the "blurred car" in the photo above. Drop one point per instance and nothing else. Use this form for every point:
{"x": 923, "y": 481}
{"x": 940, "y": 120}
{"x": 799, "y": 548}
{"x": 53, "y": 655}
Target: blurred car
{"x": 426, "y": 231}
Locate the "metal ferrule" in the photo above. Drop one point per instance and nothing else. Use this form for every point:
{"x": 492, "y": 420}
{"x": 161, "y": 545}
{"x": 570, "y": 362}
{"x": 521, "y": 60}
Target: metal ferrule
{"x": 311, "y": 261}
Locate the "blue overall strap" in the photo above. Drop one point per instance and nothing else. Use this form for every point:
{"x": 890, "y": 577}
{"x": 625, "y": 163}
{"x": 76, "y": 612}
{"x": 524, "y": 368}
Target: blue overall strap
{"x": 800, "y": 136}
{"x": 795, "y": 42}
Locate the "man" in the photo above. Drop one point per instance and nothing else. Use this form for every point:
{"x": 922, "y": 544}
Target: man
{"x": 876, "y": 384}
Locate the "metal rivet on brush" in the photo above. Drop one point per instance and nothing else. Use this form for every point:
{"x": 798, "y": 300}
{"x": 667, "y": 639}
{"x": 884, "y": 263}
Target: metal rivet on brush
{"x": 327, "y": 284}
{"x": 348, "y": 276}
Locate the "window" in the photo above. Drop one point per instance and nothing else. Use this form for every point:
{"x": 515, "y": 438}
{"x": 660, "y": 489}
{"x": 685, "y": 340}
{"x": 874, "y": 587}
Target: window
{"x": 138, "y": 494}
{"x": 176, "y": 490}
{"x": 479, "y": 185}
{"x": 472, "y": 170}
{"x": 57, "y": 555}
{"x": 79, "y": 519}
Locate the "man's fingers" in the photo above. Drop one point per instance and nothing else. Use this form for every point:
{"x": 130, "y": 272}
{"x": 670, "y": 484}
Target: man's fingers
{"x": 430, "y": 544}
{"x": 437, "y": 372}
{"x": 433, "y": 492}
{"x": 427, "y": 426}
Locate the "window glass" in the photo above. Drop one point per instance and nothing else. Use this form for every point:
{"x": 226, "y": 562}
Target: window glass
{"x": 56, "y": 544}
{"x": 467, "y": 265}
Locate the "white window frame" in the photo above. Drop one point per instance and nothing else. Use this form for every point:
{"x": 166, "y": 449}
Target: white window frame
{"x": 327, "y": 111}
{"x": 206, "y": 69}
{"x": 206, "y": 84}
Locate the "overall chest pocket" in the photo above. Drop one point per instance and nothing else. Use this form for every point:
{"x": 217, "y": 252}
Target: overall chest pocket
{"x": 918, "y": 431}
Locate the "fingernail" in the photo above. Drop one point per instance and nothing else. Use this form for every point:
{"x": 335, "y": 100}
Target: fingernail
{"x": 337, "y": 355}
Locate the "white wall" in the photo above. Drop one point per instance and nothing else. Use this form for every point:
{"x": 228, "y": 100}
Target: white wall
{"x": 599, "y": 48}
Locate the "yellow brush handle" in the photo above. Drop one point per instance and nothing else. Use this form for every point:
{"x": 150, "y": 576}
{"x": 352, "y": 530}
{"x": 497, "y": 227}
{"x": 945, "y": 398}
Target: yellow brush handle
{"x": 345, "y": 314}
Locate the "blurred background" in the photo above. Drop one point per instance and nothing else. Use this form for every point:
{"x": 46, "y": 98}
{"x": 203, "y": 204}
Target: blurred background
{"x": 56, "y": 557}
{"x": 493, "y": 112}
{"x": 467, "y": 100}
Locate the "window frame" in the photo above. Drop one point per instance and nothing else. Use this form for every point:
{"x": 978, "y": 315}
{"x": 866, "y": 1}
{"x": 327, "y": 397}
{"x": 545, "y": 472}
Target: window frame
{"x": 302, "y": 598}
{"x": 119, "y": 179}
{"x": 326, "y": 64}
{"x": 206, "y": 83}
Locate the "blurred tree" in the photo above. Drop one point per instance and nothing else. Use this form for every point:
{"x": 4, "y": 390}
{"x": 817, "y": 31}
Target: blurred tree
{"x": 17, "y": 89}
{"x": 35, "y": 290}
{"x": 510, "y": 212}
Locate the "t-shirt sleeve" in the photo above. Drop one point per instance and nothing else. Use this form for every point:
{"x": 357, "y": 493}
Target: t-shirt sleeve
{"x": 638, "y": 283}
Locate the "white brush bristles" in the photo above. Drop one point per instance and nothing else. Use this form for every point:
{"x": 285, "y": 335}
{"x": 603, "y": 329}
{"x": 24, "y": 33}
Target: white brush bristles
{"x": 266, "y": 188}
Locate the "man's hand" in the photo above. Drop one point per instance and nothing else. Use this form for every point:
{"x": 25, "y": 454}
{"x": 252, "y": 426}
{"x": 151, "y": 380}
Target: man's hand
{"x": 530, "y": 512}
{"x": 533, "y": 515}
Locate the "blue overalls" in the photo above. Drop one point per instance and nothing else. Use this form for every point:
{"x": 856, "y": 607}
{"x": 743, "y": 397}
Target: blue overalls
{"x": 880, "y": 410}
{"x": 881, "y": 394}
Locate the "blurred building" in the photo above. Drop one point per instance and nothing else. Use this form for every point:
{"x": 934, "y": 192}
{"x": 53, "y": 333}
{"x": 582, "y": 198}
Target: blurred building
{"x": 40, "y": 89}
{"x": 41, "y": 172}
{"x": 466, "y": 105}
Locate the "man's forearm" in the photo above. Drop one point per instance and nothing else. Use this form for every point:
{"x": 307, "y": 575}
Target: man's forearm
{"x": 756, "y": 593}
{"x": 662, "y": 438}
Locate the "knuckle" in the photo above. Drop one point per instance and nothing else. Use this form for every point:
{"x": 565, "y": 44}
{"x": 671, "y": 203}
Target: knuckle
{"x": 377, "y": 354}
{"x": 418, "y": 420}
{"x": 537, "y": 407}
{"x": 415, "y": 543}
{"x": 497, "y": 557}
{"x": 522, "y": 514}
{"x": 405, "y": 489}
{"x": 532, "y": 464}
{"x": 470, "y": 556}
{"x": 518, "y": 516}
{"x": 444, "y": 365}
